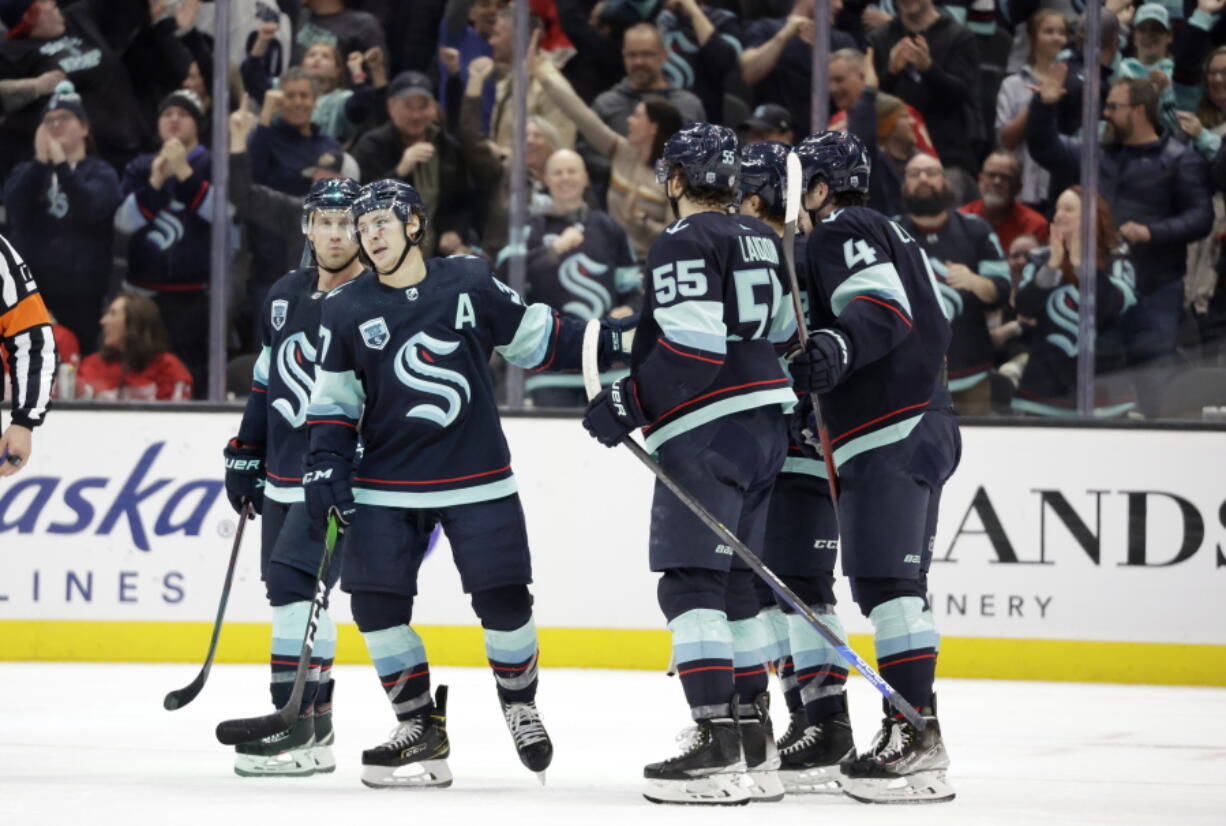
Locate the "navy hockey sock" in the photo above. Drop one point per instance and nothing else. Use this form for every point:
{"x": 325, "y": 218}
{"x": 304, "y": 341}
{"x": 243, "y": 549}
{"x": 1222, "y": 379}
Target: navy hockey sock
{"x": 288, "y": 628}
{"x": 400, "y": 660}
{"x": 750, "y": 641}
{"x": 513, "y": 657}
{"x": 906, "y": 639}
{"x": 702, "y": 652}
{"x": 821, "y": 676}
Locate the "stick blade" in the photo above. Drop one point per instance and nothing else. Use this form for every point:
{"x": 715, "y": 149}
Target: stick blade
{"x": 182, "y": 696}
{"x": 243, "y": 730}
{"x": 794, "y": 179}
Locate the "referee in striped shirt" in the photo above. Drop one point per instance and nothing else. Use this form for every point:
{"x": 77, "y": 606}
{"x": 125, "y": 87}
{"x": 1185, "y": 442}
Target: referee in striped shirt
{"x": 25, "y": 334}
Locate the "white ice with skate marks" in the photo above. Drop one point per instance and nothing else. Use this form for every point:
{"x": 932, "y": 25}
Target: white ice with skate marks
{"x": 91, "y": 744}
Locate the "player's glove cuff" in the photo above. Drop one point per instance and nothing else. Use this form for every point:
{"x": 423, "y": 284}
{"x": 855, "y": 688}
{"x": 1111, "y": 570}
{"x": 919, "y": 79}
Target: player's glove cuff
{"x": 244, "y": 475}
{"x": 823, "y": 362}
{"x": 327, "y": 492}
{"x": 616, "y": 340}
{"x": 614, "y": 412}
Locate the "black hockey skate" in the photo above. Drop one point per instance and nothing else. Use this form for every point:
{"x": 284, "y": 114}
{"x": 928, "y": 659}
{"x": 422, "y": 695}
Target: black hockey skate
{"x": 321, "y": 752}
{"x": 761, "y": 754}
{"x": 797, "y": 723}
{"x": 709, "y": 771}
{"x": 531, "y": 740}
{"x": 904, "y": 765}
{"x": 415, "y": 755}
{"x": 285, "y": 754}
{"x": 810, "y": 763}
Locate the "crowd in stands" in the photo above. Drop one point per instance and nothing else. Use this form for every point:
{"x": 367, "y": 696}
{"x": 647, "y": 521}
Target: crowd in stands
{"x": 971, "y": 112}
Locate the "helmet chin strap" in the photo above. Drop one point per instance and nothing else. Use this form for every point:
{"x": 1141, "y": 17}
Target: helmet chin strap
{"x": 410, "y": 242}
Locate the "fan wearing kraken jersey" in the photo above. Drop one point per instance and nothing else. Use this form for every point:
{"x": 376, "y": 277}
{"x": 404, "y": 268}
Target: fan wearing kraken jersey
{"x": 709, "y": 392}
{"x": 404, "y": 366}
{"x": 264, "y": 468}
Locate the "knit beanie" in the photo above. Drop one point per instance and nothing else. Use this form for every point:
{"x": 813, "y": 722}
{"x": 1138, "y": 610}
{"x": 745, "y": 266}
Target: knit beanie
{"x": 186, "y": 100}
{"x": 65, "y": 97}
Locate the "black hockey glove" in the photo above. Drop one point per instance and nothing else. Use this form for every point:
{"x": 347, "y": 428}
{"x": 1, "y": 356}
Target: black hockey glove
{"x": 823, "y": 362}
{"x": 802, "y": 428}
{"x": 616, "y": 340}
{"x": 326, "y": 488}
{"x": 614, "y": 412}
{"x": 244, "y": 475}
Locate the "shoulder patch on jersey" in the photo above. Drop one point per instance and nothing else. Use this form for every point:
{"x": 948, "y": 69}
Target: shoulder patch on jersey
{"x": 280, "y": 311}
{"x": 375, "y": 333}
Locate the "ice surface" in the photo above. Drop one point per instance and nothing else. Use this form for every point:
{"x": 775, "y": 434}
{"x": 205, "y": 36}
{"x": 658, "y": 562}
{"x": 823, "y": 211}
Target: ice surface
{"x": 90, "y": 744}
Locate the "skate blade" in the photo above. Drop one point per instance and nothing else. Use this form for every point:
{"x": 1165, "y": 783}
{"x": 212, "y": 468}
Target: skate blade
{"x": 813, "y": 780}
{"x": 921, "y": 787}
{"x": 765, "y": 786}
{"x": 541, "y": 777}
{"x": 426, "y": 774}
{"x": 296, "y": 763}
{"x": 325, "y": 763}
{"x": 730, "y": 789}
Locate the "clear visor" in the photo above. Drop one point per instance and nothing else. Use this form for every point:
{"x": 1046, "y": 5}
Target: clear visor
{"x": 340, "y": 220}
{"x": 378, "y": 222}
{"x": 663, "y": 170}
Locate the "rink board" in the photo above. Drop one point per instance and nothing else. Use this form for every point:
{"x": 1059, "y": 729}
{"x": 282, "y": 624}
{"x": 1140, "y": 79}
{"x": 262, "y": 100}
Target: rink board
{"x": 1063, "y": 553}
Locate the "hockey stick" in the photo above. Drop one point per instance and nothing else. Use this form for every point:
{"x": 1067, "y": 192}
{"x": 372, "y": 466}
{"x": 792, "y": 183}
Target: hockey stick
{"x": 233, "y": 732}
{"x": 182, "y": 696}
{"x": 791, "y": 214}
{"x": 591, "y": 383}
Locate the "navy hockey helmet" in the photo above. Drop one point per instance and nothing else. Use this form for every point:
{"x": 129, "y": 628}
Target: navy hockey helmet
{"x": 764, "y": 172}
{"x": 329, "y": 194}
{"x": 393, "y": 194}
{"x": 706, "y": 154}
{"x": 839, "y": 157}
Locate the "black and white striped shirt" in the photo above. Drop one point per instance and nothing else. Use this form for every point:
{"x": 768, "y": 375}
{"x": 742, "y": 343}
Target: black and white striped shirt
{"x": 25, "y": 334}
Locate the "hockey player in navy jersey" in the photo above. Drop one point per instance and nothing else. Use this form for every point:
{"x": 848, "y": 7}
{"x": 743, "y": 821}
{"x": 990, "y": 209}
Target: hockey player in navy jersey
{"x": 800, "y": 546}
{"x": 264, "y": 468}
{"x": 709, "y": 393}
{"x": 875, "y": 355}
{"x": 404, "y": 366}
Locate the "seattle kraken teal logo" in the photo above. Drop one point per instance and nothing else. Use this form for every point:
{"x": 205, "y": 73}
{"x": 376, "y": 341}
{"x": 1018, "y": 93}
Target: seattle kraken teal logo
{"x": 295, "y": 366}
{"x": 576, "y": 276}
{"x": 415, "y": 370}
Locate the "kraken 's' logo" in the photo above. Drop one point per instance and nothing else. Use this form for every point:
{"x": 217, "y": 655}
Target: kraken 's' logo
{"x": 578, "y": 277}
{"x": 295, "y": 366}
{"x": 414, "y": 369}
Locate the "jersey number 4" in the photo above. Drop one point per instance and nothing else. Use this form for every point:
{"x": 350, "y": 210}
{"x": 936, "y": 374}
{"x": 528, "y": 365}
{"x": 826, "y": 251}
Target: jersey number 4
{"x": 857, "y": 251}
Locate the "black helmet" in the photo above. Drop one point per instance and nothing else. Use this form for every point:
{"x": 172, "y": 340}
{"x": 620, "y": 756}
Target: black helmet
{"x": 839, "y": 157}
{"x": 329, "y": 194}
{"x": 706, "y": 153}
{"x": 393, "y": 194}
{"x": 764, "y": 172}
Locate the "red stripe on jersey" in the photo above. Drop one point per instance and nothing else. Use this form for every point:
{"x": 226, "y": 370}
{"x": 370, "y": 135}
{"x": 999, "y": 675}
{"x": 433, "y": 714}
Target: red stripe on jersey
{"x": 334, "y": 421}
{"x": 878, "y": 419}
{"x": 283, "y": 478}
{"x": 673, "y": 349}
{"x": 432, "y": 481}
{"x": 697, "y": 399}
{"x": 891, "y": 307}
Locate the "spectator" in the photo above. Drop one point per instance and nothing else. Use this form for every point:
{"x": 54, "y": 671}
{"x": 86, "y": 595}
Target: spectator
{"x": 283, "y": 148}
{"x": 972, "y": 277}
{"x": 246, "y": 19}
{"x": 158, "y": 60}
{"x": 133, "y": 363}
{"x": 635, "y": 198}
{"x": 61, "y": 206}
{"x": 466, "y": 29}
{"x": 1069, "y": 108}
{"x": 1151, "y": 41}
{"x": 849, "y": 72}
{"x": 502, "y": 121}
{"x": 1004, "y": 328}
{"x": 930, "y": 61}
{"x": 883, "y": 124}
{"x": 84, "y": 44}
{"x": 167, "y": 214}
{"x": 579, "y": 260}
{"x": 1049, "y": 302}
{"x": 1047, "y": 32}
{"x": 412, "y": 31}
{"x": 489, "y": 166}
{"x": 67, "y": 358}
{"x": 1000, "y": 180}
{"x": 328, "y": 21}
{"x": 706, "y": 45}
{"x": 596, "y": 33}
{"x": 1156, "y": 186}
{"x": 414, "y": 147}
{"x": 768, "y": 122}
{"x": 339, "y": 110}
{"x": 778, "y": 58}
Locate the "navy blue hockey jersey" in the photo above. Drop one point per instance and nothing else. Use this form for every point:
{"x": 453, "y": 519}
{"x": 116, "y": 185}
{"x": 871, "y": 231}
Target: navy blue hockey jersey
{"x": 408, "y": 370}
{"x": 714, "y": 306}
{"x": 870, "y": 281}
{"x": 969, "y": 240}
{"x": 282, "y": 381}
{"x": 803, "y": 458}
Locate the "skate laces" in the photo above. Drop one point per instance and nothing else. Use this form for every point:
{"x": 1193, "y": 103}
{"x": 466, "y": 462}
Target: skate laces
{"x": 689, "y": 739}
{"x": 407, "y": 732}
{"x": 808, "y": 738}
{"x": 891, "y": 741}
{"x": 525, "y": 724}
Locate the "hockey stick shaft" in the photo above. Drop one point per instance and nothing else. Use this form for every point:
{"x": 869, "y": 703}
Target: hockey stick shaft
{"x": 591, "y": 383}
{"x": 233, "y": 732}
{"x": 182, "y": 696}
{"x": 792, "y": 213}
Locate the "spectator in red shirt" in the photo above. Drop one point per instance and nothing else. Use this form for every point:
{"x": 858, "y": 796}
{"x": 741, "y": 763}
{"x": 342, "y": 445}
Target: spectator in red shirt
{"x": 1000, "y": 181}
{"x": 133, "y": 362}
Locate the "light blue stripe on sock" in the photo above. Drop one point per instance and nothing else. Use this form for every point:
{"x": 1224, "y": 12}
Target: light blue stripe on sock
{"x": 901, "y": 625}
{"x": 511, "y": 646}
{"x": 809, "y": 647}
{"x": 395, "y": 650}
{"x": 750, "y": 639}
{"x": 776, "y": 621}
{"x": 325, "y": 636}
{"x": 701, "y": 634}
{"x": 288, "y": 628}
